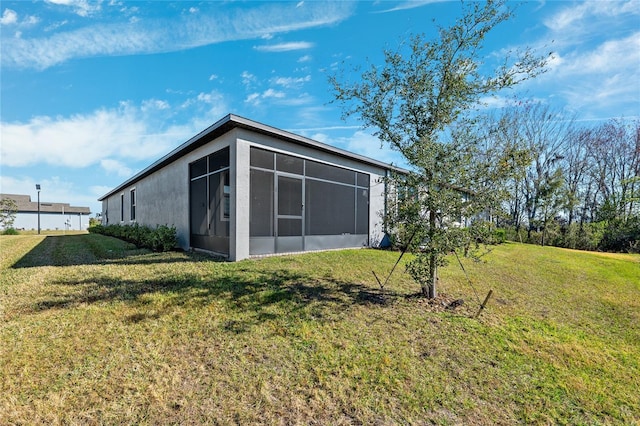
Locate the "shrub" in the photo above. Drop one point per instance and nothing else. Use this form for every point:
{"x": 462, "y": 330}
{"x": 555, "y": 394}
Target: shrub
{"x": 500, "y": 236}
{"x": 165, "y": 238}
{"x": 622, "y": 236}
{"x": 160, "y": 238}
{"x": 10, "y": 231}
{"x": 96, "y": 229}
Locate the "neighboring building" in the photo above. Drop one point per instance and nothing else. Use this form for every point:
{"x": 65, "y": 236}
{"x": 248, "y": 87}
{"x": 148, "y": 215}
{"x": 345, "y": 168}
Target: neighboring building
{"x": 53, "y": 216}
{"x": 241, "y": 189}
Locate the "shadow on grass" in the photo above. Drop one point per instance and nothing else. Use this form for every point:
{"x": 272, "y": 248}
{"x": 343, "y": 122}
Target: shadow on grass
{"x": 256, "y": 296}
{"x": 250, "y": 297}
{"x": 88, "y": 249}
{"x": 254, "y": 293}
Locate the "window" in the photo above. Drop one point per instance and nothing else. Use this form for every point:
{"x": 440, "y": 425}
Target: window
{"x": 121, "y": 207}
{"x": 133, "y": 204}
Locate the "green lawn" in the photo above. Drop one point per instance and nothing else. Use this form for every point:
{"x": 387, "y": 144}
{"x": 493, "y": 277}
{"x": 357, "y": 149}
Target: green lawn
{"x": 93, "y": 331}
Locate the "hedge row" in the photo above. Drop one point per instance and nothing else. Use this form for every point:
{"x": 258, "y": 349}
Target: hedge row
{"x": 612, "y": 236}
{"x": 162, "y": 238}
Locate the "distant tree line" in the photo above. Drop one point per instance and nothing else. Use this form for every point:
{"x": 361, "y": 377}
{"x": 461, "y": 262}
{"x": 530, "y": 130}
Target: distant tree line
{"x": 579, "y": 186}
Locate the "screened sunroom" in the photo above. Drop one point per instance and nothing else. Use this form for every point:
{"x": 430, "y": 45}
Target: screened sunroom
{"x": 241, "y": 189}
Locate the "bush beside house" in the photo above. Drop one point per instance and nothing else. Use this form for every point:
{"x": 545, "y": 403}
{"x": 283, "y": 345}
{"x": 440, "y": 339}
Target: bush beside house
{"x": 161, "y": 238}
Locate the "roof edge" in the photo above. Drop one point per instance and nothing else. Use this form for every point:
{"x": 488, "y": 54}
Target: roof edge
{"x": 226, "y": 124}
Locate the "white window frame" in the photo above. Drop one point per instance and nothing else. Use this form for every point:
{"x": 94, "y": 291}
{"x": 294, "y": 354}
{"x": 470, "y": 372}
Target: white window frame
{"x": 133, "y": 201}
{"x": 122, "y": 207}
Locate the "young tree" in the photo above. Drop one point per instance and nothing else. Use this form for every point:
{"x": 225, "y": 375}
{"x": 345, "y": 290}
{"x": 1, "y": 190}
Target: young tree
{"x": 8, "y": 210}
{"x": 412, "y": 103}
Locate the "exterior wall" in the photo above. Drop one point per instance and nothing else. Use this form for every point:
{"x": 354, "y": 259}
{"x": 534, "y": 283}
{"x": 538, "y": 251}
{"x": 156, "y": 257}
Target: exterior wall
{"x": 240, "y": 199}
{"x": 377, "y": 198}
{"x": 51, "y": 221}
{"x": 162, "y": 198}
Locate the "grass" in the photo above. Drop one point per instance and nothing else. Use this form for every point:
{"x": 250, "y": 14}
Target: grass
{"x": 93, "y": 331}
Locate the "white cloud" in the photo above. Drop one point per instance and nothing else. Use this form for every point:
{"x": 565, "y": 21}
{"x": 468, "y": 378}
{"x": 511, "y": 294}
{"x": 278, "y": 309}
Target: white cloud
{"x": 209, "y": 98}
{"x": 9, "y": 17}
{"x": 593, "y": 70}
{"x": 366, "y": 144}
{"x": 31, "y": 20}
{"x": 82, "y": 8}
{"x": 116, "y": 167}
{"x": 581, "y": 15}
{"x": 193, "y": 10}
{"x": 305, "y": 58}
{"x": 297, "y": 101}
{"x": 248, "y": 79}
{"x": 253, "y": 98}
{"x": 292, "y": 81}
{"x": 54, "y": 26}
{"x": 411, "y": 5}
{"x": 99, "y": 190}
{"x": 360, "y": 142}
{"x": 609, "y": 57}
{"x": 159, "y": 35}
{"x": 154, "y": 104}
{"x": 76, "y": 141}
{"x": 271, "y": 93}
{"x": 598, "y": 78}
{"x": 495, "y": 102}
{"x": 285, "y": 47}
{"x": 127, "y": 133}
{"x": 257, "y": 98}
{"x": 213, "y": 77}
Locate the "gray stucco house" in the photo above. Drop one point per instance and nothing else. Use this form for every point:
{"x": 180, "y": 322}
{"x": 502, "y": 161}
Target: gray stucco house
{"x": 242, "y": 188}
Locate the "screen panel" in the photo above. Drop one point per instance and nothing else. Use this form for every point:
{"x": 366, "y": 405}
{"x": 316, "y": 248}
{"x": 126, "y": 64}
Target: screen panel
{"x": 363, "y": 180}
{"x": 327, "y": 172}
{"x": 199, "y": 206}
{"x": 198, "y": 168}
{"x": 362, "y": 211}
{"x": 289, "y": 196}
{"x": 329, "y": 208}
{"x": 219, "y": 222}
{"x": 289, "y": 164}
{"x": 289, "y": 227}
{"x": 261, "y": 204}
{"x": 261, "y": 158}
{"x": 219, "y": 160}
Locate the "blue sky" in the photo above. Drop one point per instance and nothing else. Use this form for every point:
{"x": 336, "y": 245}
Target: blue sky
{"x": 94, "y": 91}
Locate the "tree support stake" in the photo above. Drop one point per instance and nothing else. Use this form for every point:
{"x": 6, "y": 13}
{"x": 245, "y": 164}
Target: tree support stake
{"x": 486, "y": 299}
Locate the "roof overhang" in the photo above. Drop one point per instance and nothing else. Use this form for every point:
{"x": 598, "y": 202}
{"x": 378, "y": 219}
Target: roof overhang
{"x": 231, "y": 122}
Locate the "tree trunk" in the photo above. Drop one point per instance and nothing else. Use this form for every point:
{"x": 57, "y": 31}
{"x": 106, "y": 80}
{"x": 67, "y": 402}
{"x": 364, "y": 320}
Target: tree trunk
{"x": 430, "y": 291}
{"x": 433, "y": 270}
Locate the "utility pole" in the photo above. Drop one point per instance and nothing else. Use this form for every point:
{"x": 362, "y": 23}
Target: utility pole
{"x": 38, "y": 189}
